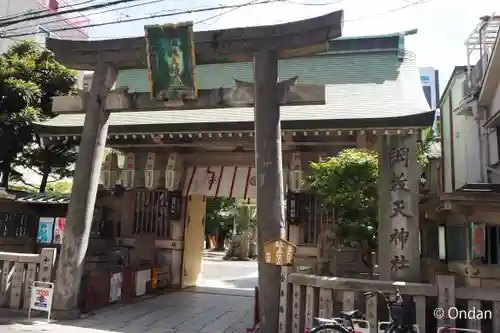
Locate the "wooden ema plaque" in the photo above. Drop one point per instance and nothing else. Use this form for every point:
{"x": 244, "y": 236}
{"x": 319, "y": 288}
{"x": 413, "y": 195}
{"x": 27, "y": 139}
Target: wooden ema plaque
{"x": 279, "y": 252}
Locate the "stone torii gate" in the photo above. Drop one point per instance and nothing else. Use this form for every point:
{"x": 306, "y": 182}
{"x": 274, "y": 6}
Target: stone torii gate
{"x": 263, "y": 45}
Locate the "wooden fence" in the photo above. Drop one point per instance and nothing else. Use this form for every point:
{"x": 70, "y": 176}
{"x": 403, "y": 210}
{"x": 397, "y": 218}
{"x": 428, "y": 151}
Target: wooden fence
{"x": 304, "y": 297}
{"x": 19, "y": 270}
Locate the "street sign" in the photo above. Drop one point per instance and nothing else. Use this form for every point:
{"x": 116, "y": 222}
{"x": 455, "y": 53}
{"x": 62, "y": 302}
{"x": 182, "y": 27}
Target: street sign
{"x": 279, "y": 252}
{"x": 41, "y": 297}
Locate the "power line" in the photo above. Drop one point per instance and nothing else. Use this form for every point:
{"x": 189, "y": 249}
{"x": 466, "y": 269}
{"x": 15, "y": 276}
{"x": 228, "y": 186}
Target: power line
{"x": 82, "y": 15}
{"x": 177, "y": 13}
{"x": 418, "y": 2}
{"x": 19, "y": 29}
{"x": 69, "y": 11}
{"x": 397, "y": 9}
{"x": 41, "y": 11}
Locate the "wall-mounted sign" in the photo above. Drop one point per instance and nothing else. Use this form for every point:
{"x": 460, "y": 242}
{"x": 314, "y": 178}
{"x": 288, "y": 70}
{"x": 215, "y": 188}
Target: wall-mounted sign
{"x": 478, "y": 238}
{"x": 41, "y": 297}
{"x": 279, "y": 252}
{"x": 59, "y": 230}
{"x": 45, "y": 230}
{"x": 171, "y": 61}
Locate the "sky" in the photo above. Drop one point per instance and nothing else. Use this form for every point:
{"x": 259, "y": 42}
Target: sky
{"x": 443, "y": 25}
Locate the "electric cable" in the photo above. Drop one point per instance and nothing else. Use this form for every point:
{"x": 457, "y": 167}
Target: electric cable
{"x": 24, "y": 27}
{"x": 152, "y": 2}
{"x": 69, "y": 11}
{"x": 135, "y": 19}
{"x": 41, "y": 11}
{"x": 408, "y": 4}
{"x": 418, "y": 2}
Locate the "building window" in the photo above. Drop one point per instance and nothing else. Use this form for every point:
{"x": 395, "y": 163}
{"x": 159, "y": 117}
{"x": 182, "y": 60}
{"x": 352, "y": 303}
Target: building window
{"x": 492, "y": 245}
{"x": 86, "y": 86}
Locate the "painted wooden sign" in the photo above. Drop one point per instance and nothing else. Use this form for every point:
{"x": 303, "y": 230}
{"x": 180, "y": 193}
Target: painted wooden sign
{"x": 171, "y": 61}
{"x": 279, "y": 252}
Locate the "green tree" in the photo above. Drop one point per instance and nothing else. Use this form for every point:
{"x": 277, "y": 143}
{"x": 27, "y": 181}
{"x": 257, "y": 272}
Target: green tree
{"x": 60, "y": 187}
{"x": 348, "y": 183}
{"x": 29, "y": 78}
{"x": 219, "y": 219}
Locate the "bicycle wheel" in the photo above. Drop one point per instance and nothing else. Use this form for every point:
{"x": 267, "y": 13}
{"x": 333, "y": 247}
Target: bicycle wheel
{"x": 330, "y": 328}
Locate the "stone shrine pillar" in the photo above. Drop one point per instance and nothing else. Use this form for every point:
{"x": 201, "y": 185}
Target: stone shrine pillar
{"x": 398, "y": 234}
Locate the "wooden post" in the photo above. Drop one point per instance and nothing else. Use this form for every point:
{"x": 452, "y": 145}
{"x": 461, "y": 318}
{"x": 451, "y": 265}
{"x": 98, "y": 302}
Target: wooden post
{"x": 270, "y": 196}
{"x": 84, "y": 191}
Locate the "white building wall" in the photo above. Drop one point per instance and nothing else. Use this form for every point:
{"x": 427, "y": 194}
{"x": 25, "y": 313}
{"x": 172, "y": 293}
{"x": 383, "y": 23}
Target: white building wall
{"x": 13, "y": 7}
{"x": 466, "y": 147}
{"x": 460, "y": 133}
{"x": 491, "y": 134}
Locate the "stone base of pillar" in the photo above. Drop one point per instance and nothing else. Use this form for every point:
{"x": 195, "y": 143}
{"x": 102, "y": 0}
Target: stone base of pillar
{"x": 66, "y": 314}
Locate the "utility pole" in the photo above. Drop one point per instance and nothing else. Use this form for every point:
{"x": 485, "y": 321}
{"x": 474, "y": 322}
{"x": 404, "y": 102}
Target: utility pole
{"x": 83, "y": 193}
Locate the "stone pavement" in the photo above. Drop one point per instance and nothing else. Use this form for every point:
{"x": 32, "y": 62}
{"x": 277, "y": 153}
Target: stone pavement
{"x": 203, "y": 310}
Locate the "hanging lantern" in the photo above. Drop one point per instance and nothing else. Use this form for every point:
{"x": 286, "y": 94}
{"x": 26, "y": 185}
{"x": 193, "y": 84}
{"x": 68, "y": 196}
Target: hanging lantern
{"x": 173, "y": 172}
{"x": 109, "y": 171}
{"x": 295, "y": 174}
{"x": 149, "y": 172}
{"x": 127, "y": 176}
{"x": 295, "y": 180}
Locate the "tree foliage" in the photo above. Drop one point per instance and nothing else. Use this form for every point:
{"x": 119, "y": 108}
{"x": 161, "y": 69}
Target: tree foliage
{"x": 60, "y": 187}
{"x": 220, "y": 213}
{"x": 29, "y": 78}
{"x": 348, "y": 183}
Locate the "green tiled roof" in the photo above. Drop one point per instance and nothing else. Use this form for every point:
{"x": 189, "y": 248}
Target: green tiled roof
{"x": 358, "y": 86}
{"x": 362, "y": 89}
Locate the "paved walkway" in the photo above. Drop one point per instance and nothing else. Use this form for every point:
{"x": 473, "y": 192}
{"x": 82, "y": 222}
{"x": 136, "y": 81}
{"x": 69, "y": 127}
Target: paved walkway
{"x": 204, "y": 311}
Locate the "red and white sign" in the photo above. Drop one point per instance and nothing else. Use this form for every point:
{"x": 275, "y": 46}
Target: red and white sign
{"x": 59, "y": 230}
{"x": 41, "y": 297}
{"x": 239, "y": 182}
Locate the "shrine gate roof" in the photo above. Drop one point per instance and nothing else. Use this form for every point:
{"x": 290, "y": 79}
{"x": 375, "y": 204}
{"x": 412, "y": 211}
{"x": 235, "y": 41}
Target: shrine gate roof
{"x": 370, "y": 82}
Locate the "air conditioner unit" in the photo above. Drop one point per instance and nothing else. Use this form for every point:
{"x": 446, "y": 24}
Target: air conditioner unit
{"x": 149, "y": 179}
{"x": 127, "y": 178}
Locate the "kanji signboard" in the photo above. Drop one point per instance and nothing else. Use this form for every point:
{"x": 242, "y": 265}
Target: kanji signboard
{"x": 279, "y": 252}
{"x": 171, "y": 61}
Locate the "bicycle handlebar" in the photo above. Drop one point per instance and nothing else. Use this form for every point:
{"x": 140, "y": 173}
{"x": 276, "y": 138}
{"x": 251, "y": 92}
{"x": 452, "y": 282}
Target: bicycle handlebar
{"x": 378, "y": 292}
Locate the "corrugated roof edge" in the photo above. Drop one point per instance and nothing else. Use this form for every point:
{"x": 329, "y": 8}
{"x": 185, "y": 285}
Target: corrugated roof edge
{"x": 394, "y": 42}
{"x": 39, "y": 198}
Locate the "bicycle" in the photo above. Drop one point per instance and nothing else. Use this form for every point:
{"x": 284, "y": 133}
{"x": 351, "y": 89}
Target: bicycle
{"x": 398, "y": 315}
